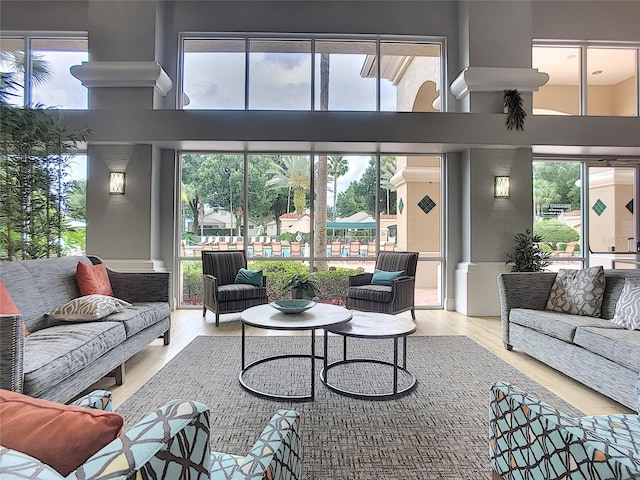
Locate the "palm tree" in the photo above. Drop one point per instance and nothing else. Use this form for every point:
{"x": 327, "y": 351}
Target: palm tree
{"x": 292, "y": 172}
{"x": 15, "y": 59}
{"x": 338, "y": 166}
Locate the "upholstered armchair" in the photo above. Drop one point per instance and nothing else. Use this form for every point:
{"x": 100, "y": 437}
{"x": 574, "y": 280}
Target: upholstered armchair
{"x": 221, "y": 293}
{"x": 173, "y": 442}
{"x": 529, "y": 438}
{"x": 393, "y": 296}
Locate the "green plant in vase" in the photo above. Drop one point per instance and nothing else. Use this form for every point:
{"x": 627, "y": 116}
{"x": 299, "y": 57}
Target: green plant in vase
{"x": 514, "y": 110}
{"x": 527, "y": 255}
{"x": 301, "y": 285}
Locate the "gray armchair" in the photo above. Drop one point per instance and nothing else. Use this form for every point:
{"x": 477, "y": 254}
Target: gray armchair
{"x": 395, "y": 298}
{"x": 221, "y": 294}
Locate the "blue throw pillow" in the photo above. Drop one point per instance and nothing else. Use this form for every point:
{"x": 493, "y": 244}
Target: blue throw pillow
{"x": 250, "y": 277}
{"x": 380, "y": 277}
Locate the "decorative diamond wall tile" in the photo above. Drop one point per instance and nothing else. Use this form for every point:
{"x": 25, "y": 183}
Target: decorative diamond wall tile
{"x": 426, "y": 204}
{"x": 401, "y": 205}
{"x": 599, "y": 207}
{"x": 630, "y": 205}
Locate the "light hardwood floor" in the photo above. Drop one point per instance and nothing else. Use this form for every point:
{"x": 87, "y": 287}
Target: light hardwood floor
{"x": 188, "y": 323}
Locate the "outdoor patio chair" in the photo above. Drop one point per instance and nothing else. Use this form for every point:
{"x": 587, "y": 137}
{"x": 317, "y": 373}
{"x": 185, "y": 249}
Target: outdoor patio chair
{"x": 379, "y": 292}
{"x": 221, "y": 293}
{"x": 276, "y": 249}
{"x": 389, "y": 246}
{"x": 258, "y": 249}
{"x": 223, "y": 246}
{"x": 336, "y": 249}
{"x": 296, "y": 250}
{"x": 372, "y": 249}
{"x": 354, "y": 249}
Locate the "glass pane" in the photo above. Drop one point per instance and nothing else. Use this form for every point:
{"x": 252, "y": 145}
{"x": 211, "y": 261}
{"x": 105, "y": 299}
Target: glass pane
{"x": 410, "y": 77}
{"x": 280, "y": 75}
{"x": 429, "y": 284}
{"x": 612, "y": 219}
{"x": 12, "y": 64}
{"x": 341, "y": 82}
{"x": 557, "y": 216}
{"x": 75, "y": 214}
{"x": 191, "y": 283}
{"x": 212, "y": 203}
{"x": 51, "y": 81}
{"x": 345, "y": 225}
{"x": 561, "y": 94}
{"x": 214, "y": 74}
{"x": 611, "y": 82}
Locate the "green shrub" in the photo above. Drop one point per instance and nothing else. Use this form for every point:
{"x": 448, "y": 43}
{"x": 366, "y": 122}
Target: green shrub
{"x": 192, "y": 286}
{"x": 553, "y": 233}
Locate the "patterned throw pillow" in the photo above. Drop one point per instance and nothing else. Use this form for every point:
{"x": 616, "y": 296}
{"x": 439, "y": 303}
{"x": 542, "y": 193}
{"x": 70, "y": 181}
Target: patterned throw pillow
{"x": 578, "y": 292}
{"x": 87, "y": 308}
{"x": 628, "y": 307}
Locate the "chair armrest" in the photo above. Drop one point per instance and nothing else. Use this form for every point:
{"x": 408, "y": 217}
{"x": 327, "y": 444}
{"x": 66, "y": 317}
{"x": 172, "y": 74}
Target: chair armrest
{"x": 172, "y": 442}
{"x": 522, "y": 290}
{"x": 403, "y": 292}
{"x": 137, "y": 286}
{"x": 14, "y": 464}
{"x": 360, "y": 279}
{"x": 560, "y": 443}
{"x": 97, "y": 400}
{"x": 277, "y": 449}
{"x": 11, "y": 353}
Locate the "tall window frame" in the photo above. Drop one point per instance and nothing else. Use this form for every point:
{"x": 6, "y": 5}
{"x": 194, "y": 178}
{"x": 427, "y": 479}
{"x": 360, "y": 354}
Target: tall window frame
{"x": 584, "y": 48}
{"x": 182, "y": 99}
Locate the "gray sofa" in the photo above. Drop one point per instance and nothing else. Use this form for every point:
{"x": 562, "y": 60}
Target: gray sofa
{"x": 57, "y": 361}
{"x": 594, "y": 351}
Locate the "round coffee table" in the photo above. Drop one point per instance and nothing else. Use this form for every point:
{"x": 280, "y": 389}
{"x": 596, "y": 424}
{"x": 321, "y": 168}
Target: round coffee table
{"x": 372, "y": 325}
{"x": 322, "y": 315}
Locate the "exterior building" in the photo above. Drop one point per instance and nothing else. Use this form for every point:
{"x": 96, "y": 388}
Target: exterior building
{"x": 136, "y": 110}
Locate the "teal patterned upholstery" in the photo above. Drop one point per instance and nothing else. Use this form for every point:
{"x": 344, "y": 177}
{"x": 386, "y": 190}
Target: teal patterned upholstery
{"x": 274, "y": 456}
{"x": 529, "y": 439}
{"x": 173, "y": 443}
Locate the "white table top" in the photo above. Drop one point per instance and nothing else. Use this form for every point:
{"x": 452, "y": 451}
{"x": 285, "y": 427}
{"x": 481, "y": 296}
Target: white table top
{"x": 374, "y": 325}
{"x": 320, "y": 316}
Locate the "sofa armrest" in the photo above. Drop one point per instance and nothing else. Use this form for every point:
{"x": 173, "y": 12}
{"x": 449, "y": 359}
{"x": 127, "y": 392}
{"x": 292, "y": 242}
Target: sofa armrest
{"x": 14, "y": 464}
{"x": 135, "y": 287}
{"x": 522, "y": 290}
{"x": 529, "y": 438}
{"x": 97, "y": 400}
{"x": 172, "y": 442}
{"x": 360, "y": 279}
{"x": 11, "y": 353}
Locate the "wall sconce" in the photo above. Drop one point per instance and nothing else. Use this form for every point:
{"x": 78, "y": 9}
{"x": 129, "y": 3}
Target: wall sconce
{"x": 116, "y": 183}
{"x": 501, "y": 187}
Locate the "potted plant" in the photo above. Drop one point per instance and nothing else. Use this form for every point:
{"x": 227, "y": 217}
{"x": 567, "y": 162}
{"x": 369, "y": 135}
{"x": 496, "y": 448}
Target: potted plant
{"x": 302, "y": 285}
{"x": 527, "y": 256}
{"x": 514, "y": 110}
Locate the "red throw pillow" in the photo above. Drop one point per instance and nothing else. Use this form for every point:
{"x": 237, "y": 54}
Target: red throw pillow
{"x": 7, "y": 307}
{"x": 93, "y": 279}
{"x": 62, "y": 436}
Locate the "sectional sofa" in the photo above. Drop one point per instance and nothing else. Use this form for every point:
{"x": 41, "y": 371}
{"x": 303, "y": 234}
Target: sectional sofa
{"x": 59, "y": 360}
{"x": 594, "y": 351}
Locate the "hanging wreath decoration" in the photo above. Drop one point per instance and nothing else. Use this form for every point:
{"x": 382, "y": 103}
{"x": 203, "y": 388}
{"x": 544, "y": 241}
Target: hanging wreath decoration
{"x": 514, "y": 110}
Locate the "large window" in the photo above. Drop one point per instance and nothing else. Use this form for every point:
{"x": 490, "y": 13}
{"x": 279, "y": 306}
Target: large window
{"x": 587, "y": 80}
{"x": 39, "y": 67}
{"x": 311, "y": 72}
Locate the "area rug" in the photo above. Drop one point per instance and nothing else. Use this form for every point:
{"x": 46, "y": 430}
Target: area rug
{"x": 439, "y": 430}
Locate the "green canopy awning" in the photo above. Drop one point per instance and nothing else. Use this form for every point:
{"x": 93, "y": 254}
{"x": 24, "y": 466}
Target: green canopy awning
{"x": 351, "y": 224}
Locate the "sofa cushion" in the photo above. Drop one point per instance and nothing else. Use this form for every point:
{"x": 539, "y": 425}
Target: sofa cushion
{"x": 93, "y": 279}
{"x": 61, "y": 436}
{"x": 240, "y": 291}
{"x": 578, "y": 292}
{"x": 616, "y": 344}
{"x": 88, "y": 308}
{"x": 628, "y": 308}
{"x": 53, "y": 354}
{"x": 559, "y": 325}
{"x": 139, "y": 316}
{"x": 372, "y": 293}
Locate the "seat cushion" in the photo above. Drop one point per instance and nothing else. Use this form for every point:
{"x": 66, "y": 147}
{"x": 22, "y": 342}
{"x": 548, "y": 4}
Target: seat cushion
{"x": 240, "y": 291}
{"x": 139, "y": 316}
{"x": 555, "y": 324}
{"x": 372, "y": 293}
{"x": 619, "y": 345}
{"x": 53, "y": 354}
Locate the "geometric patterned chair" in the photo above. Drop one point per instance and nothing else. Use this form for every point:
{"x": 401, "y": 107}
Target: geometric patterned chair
{"x": 221, "y": 294}
{"x": 529, "y": 439}
{"x": 396, "y": 298}
{"x": 173, "y": 443}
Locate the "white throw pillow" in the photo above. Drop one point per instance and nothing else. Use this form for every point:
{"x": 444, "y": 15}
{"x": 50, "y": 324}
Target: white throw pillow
{"x": 87, "y": 308}
{"x": 578, "y": 292}
{"x": 628, "y": 307}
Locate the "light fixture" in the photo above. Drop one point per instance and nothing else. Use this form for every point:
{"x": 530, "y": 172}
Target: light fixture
{"x": 596, "y": 72}
{"x": 116, "y": 183}
{"x": 501, "y": 187}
